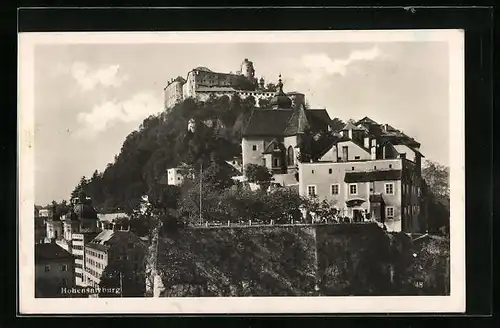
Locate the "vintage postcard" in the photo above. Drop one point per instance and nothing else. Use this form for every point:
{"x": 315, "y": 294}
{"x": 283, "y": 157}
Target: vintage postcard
{"x": 241, "y": 172}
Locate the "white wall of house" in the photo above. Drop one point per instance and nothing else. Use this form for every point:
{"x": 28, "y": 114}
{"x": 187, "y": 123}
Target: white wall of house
{"x": 327, "y": 179}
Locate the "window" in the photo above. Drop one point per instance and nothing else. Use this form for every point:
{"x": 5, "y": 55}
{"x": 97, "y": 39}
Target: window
{"x": 353, "y": 189}
{"x": 64, "y": 267}
{"x": 254, "y": 147}
{"x": 389, "y": 188}
{"x": 64, "y": 282}
{"x": 47, "y": 268}
{"x": 290, "y": 156}
{"x": 311, "y": 191}
{"x": 329, "y": 171}
{"x": 78, "y": 265}
{"x": 352, "y": 168}
{"x": 276, "y": 162}
{"x": 312, "y": 171}
{"x": 356, "y": 157}
{"x": 335, "y": 189}
{"x": 374, "y": 167}
{"x": 390, "y": 166}
{"x": 389, "y": 212}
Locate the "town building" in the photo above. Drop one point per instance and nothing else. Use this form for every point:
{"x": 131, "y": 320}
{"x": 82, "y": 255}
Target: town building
{"x": 372, "y": 170}
{"x": 176, "y": 175}
{"x": 79, "y": 240}
{"x": 54, "y": 227}
{"x": 201, "y": 84}
{"x": 107, "y": 218}
{"x": 117, "y": 246}
{"x": 45, "y": 213}
{"x": 54, "y": 270}
{"x": 40, "y": 230}
{"x": 73, "y": 230}
{"x": 272, "y": 137}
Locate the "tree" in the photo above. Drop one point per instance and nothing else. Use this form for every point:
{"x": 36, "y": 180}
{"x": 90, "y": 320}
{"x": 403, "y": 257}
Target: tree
{"x": 248, "y": 104}
{"x": 121, "y": 276}
{"x": 82, "y": 185}
{"x": 437, "y": 178}
{"x": 163, "y": 142}
{"x": 217, "y": 175}
{"x": 264, "y": 103}
{"x": 258, "y": 174}
{"x": 271, "y": 87}
{"x": 243, "y": 83}
{"x": 436, "y": 195}
{"x": 336, "y": 124}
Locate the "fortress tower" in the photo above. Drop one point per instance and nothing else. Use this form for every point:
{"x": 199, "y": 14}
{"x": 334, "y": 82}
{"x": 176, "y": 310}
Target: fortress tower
{"x": 247, "y": 69}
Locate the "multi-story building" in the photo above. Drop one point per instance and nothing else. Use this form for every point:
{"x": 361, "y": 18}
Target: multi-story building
{"x": 175, "y": 176}
{"x": 173, "y": 92}
{"x": 54, "y": 227}
{"x": 201, "y": 83}
{"x": 40, "y": 230}
{"x": 272, "y": 136}
{"x": 54, "y": 270}
{"x": 116, "y": 246}
{"x": 73, "y": 230}
{"x": 79, "y": 240}
{"x": 369, "y": 169}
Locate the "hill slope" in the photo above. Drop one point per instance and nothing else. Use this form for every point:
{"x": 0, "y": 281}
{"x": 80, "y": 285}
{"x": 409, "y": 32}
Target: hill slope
{"x": 163, "y": 141}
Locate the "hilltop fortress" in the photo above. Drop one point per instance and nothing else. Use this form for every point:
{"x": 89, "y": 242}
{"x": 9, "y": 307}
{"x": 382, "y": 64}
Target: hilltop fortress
{"x": 201, "y": 83}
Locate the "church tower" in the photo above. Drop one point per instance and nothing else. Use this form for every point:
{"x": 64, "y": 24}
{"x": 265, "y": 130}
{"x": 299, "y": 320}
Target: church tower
{"x": 280, "y": 99}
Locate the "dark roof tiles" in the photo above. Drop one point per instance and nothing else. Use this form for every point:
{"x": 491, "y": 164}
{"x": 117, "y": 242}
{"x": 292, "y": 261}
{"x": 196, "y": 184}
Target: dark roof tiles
{"x": 44, "y": 252}
{"x": 284, "y": 122}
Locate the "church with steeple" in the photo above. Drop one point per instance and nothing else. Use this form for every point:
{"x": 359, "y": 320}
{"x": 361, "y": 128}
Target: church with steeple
{"x": 272, "y": 136}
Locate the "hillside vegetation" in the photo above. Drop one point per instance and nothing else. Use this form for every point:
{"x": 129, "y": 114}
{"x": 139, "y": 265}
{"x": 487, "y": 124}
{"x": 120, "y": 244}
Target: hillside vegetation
{"x": 334, "y": 260}
{"x": 163, "y": 141}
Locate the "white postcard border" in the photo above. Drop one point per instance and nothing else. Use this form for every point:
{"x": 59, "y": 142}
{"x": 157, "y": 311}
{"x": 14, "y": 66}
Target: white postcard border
{"x": 455, "y": 302}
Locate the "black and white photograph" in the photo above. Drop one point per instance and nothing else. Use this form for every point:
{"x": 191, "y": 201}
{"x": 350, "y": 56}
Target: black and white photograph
{"x": 219, "y": 172}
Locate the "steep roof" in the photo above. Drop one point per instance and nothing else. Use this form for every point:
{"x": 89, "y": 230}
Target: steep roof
{"x": 268, "y": 122}
{"x": 284, "y": 122}
{"x": 109, "y": 238}
{"x": 51, "y": 252}
{"x": 351, "y": 126}
{"x": 352, "y": 177}
{"x": 318, "y": 115}
{"x": 366, "y": 120}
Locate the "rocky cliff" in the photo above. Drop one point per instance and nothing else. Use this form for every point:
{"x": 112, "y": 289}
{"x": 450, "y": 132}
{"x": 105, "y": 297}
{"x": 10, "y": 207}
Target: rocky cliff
{"x": 299, "y": 260}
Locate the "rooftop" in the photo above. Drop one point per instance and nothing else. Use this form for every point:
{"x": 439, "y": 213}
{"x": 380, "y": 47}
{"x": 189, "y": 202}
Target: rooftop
{"x": 51, "y": 252}
{"x": 284, "y": 122}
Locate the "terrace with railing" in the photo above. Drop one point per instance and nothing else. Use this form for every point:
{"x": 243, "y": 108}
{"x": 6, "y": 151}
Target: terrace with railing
{"x": 284, "y": 223}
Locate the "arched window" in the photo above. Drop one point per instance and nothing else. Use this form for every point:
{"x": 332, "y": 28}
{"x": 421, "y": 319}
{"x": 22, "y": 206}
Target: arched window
{"x": 290, "y": 155}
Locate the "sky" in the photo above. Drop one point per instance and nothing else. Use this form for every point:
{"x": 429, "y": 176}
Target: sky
{"x": 89, "y": 97}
